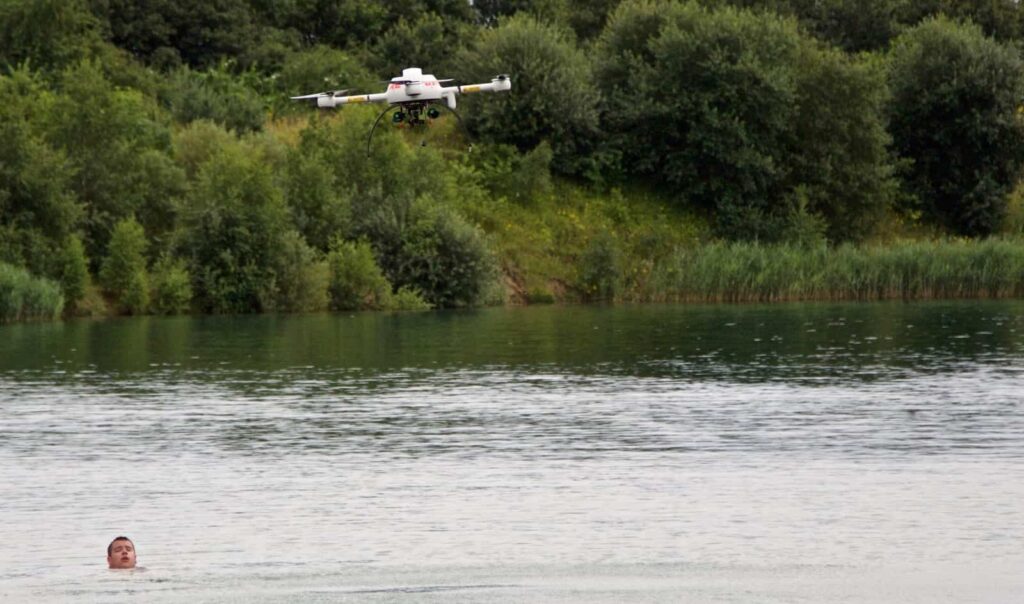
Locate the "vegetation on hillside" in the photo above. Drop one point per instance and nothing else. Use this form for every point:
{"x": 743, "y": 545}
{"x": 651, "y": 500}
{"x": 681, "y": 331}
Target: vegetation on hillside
{"x": 152, "y": 162}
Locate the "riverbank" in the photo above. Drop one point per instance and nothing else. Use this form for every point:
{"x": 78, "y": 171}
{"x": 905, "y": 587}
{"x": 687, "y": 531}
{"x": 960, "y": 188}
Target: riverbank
{"x": 566, "y": 262}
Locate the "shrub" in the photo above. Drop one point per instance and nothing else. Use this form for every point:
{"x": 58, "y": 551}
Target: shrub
{"x": 123, "y": 274}
{"x": 73, "y": 272}
{"x": 24, "y": 297}
{"x": 232, "y": 227}
{"x": 955, "y": 115}
{"x": 553, "y": 97}
{"x": 442, "y": 256}
{"x": 215, "y": 95}
{"x": 600, "y": 273}
{"x": 408, "y": 298}
{"x": 300, "y": 278}
{"x": 172, "y": 288}
{"x": 356, "y": 282}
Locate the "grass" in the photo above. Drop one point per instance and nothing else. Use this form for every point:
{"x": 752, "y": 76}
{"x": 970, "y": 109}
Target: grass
{"x": 24, "y": 297}
{"x": 909, "y": 270}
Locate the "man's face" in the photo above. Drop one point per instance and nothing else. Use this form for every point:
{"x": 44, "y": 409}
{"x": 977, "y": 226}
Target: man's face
{"x": 122, "y": 554}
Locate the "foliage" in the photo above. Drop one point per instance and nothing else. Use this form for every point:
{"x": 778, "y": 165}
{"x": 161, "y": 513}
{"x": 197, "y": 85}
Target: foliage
{"x": 752, "y": 120}
{"x": 427, "y": 41}
{"x": 110, "y": 136}
{"x": 168, "y": 33}
{"x": 408, "y": 298}
{"x": 215, "y": 95}
{"x": 443, "y": 257}
{"x": 840, "y": 161}
{"x": 955, "y": 116}
{"x": 320, "y": 68}
{"x": 123, "y": 273}
{"x": 72, "y": 272}
{"x": 753, "y": 111}
{"x": 748, "y": 272}
{"x": 38, "y": 208}
{"x": 233, "y": 222}
{"x": 24, "y": 297}
{"x": 46, "y": 34}
{"x": 171, "y": 286}
{"x": 520, "y": 177}
{"x": 357, "y": 283}
{"x": 555, "y": 96}
{"x": 300, "y": 277}
{"x": 717, "y": 130}
{"x": 599, "y": 268}
{"x": 320, "y": 207}
{"x": 852, "y": 25}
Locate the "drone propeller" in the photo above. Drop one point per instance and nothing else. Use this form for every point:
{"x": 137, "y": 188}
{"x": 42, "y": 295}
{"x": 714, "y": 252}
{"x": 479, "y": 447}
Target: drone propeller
{"x": 320, "y": 94}
{"x": 501, "y": 77}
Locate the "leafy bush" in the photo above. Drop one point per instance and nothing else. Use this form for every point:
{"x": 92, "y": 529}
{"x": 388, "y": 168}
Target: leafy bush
{"x": 320, "y": 206}
{"x": 408, "y": 298}
{"x": 47, "y": 34}
{"x": 753, "y": 110}
{"x": 123, "y": 274}
{"x": 357, "y": 283}
{"x": 24, "y": 297}
{"x": 600, "y": 272}
{"x": 171, "y": 286}
{"x": 300, "y": 277}
{"x": 73, "y": 272}
{"x": 955, "y": 115}
{"x": 439, "y": 254}
{"x": 553, "y": 97}
{"x": 216, "y": 95}
{"x": 233, "y": 223}
{"x": 519, "y": 177}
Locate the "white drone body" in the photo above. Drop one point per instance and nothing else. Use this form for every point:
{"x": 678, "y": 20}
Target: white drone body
{"x": 412, "y": 87}
{"x": 412, "y": 96}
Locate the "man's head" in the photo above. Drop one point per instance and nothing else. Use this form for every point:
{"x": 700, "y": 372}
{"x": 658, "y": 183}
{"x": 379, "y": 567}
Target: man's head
{"x": 121, "y": 553}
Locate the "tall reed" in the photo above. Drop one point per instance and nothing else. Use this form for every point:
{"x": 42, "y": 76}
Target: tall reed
{"x": 24, "y": 297}
{"x": 751, "y": 272}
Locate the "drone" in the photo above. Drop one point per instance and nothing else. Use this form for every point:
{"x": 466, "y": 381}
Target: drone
{"x": 413, "y": 96}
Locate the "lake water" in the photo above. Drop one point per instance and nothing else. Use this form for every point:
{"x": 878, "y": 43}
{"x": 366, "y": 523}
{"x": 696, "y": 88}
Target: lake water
{"x": 785, "y": 453}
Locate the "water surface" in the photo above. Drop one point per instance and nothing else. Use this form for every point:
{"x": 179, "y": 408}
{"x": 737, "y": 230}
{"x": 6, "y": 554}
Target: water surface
{"x": 787, "y": 453}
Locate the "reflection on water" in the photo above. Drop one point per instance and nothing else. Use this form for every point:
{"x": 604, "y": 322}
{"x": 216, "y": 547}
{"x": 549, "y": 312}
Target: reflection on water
{"x": 806, "y": 452}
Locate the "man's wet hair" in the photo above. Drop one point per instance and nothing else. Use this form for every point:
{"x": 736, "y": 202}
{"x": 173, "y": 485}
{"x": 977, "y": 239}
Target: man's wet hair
{"x": 110, "y": 548}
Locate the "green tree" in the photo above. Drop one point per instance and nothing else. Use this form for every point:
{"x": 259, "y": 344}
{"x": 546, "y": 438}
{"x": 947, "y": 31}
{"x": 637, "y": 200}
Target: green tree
{"x": 123, "y": 273}
{"x": 214, "y": 94}
{"x": 233, "y": 221}
{"x": 38, "y": 209}
{"x": 357, "y": 283}
{"x": 840, "y": 168}
{"x": 113, "y": 138}
{"x": 319, "y": 204}
{"x": 171, "y": 286}
{"x": 336, "y": 23}
{"x": 852, "y": 25}
{"x": 955, "y": 115}
{"x": 168, "y": 33}
{"x": 72, "y": 272}
{"x": 318, "y": 69}
{"x": 1001, "y": 19}
{"x": 300, "y": 276}
{"x": 426, "y": 41}
{"x": 740, "y": 114}
{"x": 47, "y": 34}
{"x": 554, "y": 97}
{"x": 704, "y": 101}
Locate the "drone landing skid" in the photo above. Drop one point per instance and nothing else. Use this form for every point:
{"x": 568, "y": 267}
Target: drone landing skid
{"x": 415, "y": 118}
